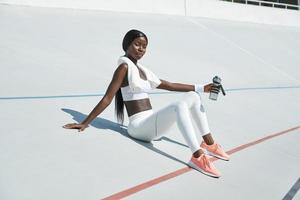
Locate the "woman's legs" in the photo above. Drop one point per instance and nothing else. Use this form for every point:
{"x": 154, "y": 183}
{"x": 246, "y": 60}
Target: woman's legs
{"x": 199, "y": 115}
{"x": 157, "y": 124}
{"x": 190, "y": 107}
{"x": 181, "y": 112}
{"x": 178, "y": 112}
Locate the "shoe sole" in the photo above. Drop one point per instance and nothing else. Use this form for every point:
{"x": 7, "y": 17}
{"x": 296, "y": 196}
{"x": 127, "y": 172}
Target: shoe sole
{"x": 192, "y": 165}
{"x": 214, "y": 155}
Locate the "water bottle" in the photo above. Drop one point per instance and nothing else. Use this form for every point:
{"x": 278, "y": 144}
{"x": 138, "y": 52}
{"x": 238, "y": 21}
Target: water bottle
{"x": 216, "y": 88}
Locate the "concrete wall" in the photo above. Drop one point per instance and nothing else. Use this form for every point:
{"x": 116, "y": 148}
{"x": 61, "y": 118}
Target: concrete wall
{"x": 241, "y": 12}
{"x": 173, "y": 7}
{"x": 196, "y": 8}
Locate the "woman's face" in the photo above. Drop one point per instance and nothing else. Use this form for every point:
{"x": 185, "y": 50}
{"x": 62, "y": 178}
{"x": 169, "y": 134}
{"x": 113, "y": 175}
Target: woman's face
{"x": 137, "y": 48}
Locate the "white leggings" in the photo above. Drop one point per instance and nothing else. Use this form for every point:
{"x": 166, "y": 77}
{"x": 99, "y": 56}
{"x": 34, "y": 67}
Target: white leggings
{"x": 149, "y": 125}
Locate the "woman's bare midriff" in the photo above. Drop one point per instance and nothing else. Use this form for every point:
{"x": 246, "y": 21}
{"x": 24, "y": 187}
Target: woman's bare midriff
{"x": 136, "y": 106}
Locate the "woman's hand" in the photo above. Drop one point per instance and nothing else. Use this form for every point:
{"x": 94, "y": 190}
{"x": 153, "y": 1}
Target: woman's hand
{"x": 80, "y": 127}
{"x": 208, "y": 87}
{"x": 212, "y": 88}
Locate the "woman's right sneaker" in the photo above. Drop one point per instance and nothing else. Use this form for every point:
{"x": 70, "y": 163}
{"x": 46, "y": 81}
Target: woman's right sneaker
{"x": 215, "y": 150}
{"x": 204, "y": 165}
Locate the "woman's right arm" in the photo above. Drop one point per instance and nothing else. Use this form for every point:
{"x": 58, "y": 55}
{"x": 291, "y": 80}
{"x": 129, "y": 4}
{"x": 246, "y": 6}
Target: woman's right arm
{"x": 112, "y": 89}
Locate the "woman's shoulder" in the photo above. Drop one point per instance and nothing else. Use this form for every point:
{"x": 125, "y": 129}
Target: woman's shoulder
{"x": 123, "y": 59}
{"x": 122, "y": 62}
{"x": 121, "y": 72}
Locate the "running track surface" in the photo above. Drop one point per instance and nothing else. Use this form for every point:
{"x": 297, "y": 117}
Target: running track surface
{"x": 245, "y": 55}
{"x": 184, "y": 170}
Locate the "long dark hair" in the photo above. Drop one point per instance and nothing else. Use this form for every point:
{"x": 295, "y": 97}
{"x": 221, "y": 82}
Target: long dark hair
{"x": 119, "y": 106}
{"x": 127, "y": 40}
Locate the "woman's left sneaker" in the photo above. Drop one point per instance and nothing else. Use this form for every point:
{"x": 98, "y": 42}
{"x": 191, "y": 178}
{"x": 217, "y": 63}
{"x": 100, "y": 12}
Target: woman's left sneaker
{"x": 204, "y": 165}
{"x": 215, "y": 150}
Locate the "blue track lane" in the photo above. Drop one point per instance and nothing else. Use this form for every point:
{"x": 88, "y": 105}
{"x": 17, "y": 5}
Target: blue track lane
{"x": 102, "y": 94}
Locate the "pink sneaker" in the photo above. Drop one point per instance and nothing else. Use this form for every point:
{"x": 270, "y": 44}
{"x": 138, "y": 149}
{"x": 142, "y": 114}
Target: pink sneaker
{"x": 215, "y": 150}
{"x": 204, "y": 165}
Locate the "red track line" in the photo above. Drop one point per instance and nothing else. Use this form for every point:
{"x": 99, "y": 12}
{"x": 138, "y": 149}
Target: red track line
{"x": 176, "y": 173}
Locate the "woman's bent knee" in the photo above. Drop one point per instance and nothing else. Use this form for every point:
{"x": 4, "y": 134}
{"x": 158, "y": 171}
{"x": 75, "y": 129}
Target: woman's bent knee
{"x": 194, "y": 95}
{"x": 192, "y": 98}
{"x": 181, "y": 106}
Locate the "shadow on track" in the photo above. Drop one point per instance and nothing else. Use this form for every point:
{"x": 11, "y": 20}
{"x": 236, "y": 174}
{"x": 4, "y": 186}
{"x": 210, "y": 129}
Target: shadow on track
{"x": 102, "y": 123}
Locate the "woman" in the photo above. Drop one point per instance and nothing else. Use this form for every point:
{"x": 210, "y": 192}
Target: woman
{"x": 130, "y": 84}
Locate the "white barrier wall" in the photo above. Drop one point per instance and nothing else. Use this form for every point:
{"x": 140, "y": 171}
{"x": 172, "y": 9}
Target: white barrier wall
{"x": 173, "y": 7}
{"x": 198, "y": 8}
{"x": 241, "y": 12}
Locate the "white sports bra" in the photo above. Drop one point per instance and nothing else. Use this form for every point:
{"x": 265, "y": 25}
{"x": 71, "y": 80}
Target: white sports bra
{"x": 129, "y": 95}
